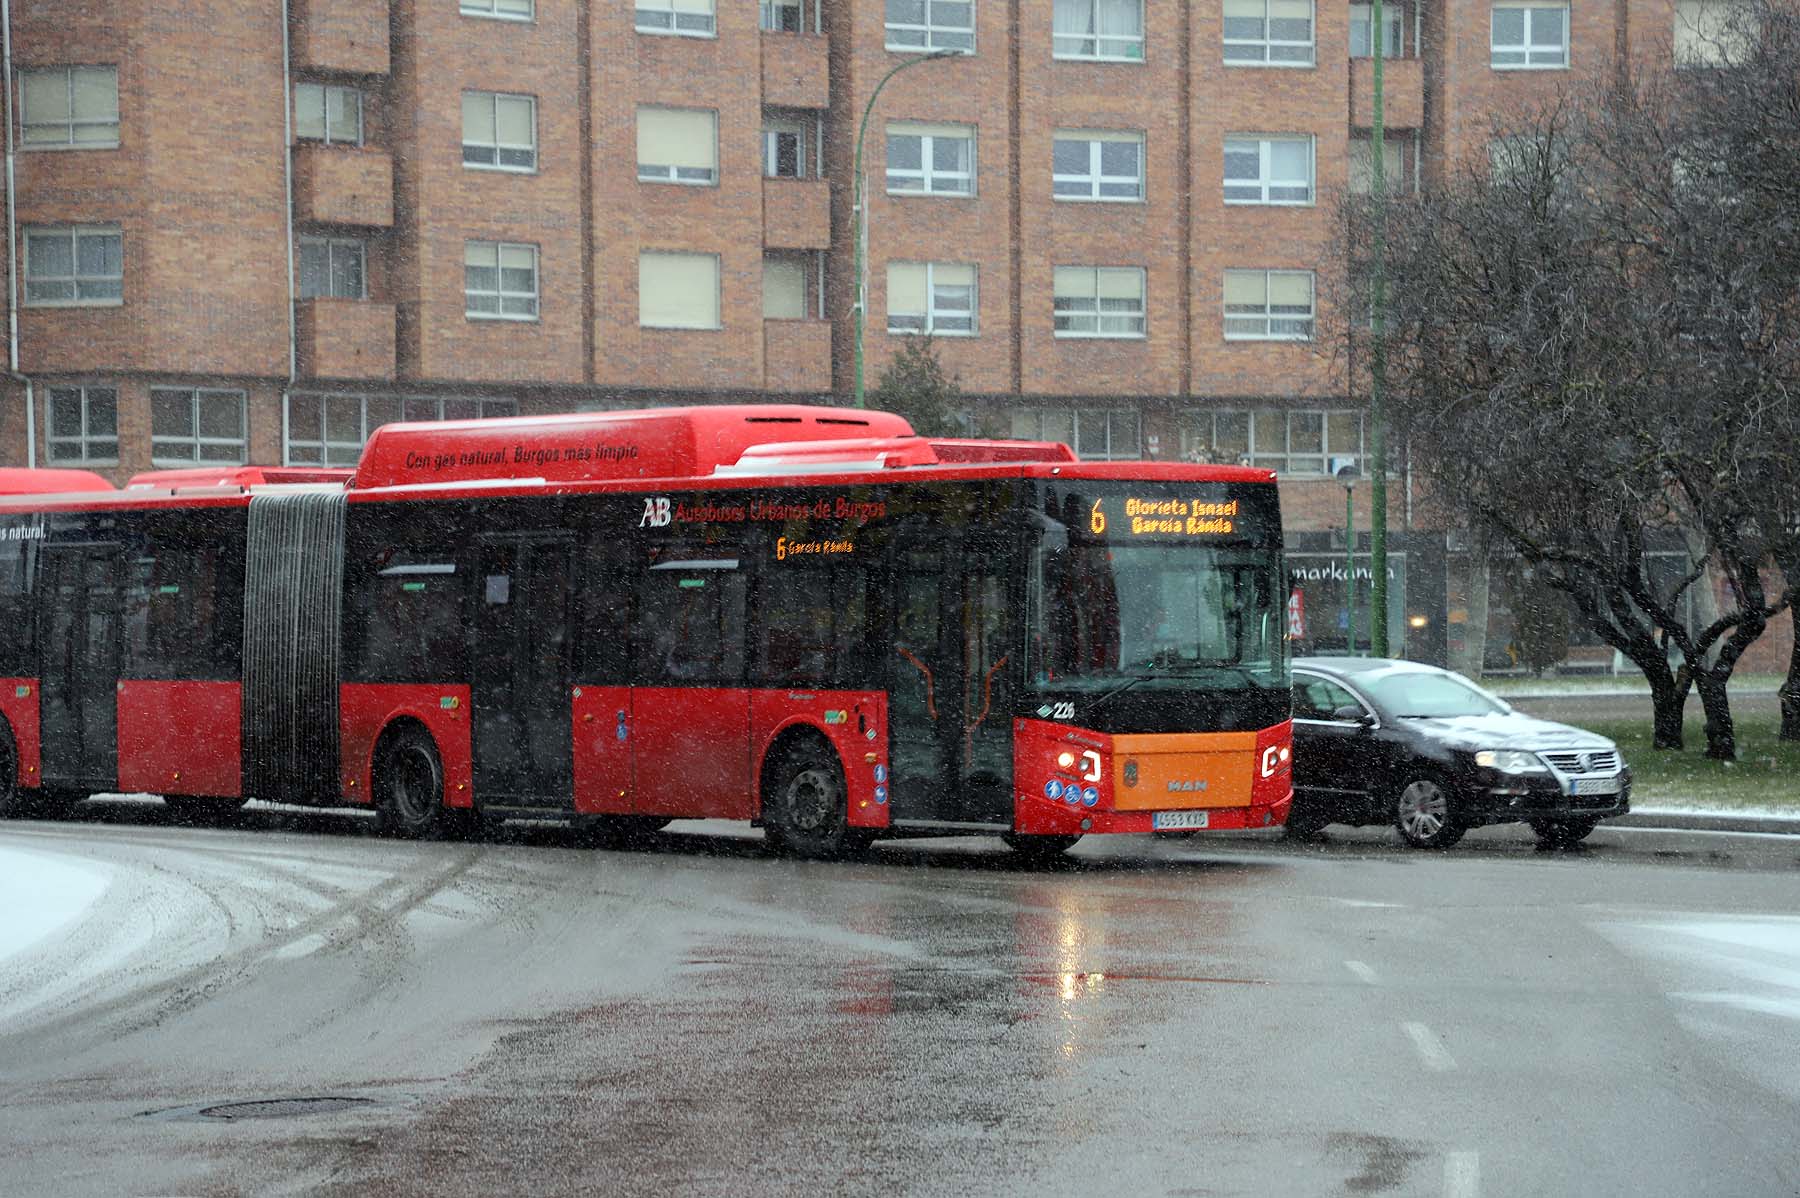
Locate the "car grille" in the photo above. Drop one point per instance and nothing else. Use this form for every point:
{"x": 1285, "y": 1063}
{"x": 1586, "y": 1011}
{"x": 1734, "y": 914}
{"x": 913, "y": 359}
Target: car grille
{"x": 1603, "y": 761}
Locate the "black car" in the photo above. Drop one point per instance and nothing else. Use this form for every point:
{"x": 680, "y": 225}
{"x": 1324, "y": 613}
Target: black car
{"x": 1379, "y": 741}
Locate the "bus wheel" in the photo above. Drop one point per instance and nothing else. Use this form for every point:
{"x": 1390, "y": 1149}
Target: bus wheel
{"x": 1038, "y": 849}
{"x": 806, "y": 803}
{"x": 201, "y": 809}
{"x": 409, "y": 786}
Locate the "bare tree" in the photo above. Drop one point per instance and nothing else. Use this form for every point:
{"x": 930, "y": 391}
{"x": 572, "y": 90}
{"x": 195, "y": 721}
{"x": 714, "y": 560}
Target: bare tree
{"x": 1592, "y": 359}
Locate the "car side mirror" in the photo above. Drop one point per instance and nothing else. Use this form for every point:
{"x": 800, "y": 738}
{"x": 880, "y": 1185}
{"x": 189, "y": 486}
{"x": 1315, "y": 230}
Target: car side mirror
{"x": 1350, "y": 713}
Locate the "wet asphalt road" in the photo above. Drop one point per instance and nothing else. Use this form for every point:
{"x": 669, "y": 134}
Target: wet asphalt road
{"x": 1174, "y": 1017}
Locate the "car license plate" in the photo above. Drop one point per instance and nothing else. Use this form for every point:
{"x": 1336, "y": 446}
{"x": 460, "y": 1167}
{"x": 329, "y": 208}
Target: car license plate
{"x": 1164, "y": 821}
{"x": 1596, "y": 786}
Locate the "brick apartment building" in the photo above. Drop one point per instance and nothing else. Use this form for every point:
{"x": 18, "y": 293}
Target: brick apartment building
{"x": 254, "y": 230}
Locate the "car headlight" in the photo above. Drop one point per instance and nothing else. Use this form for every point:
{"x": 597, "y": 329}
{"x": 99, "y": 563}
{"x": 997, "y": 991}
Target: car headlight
{"x": 1510, "y": 761}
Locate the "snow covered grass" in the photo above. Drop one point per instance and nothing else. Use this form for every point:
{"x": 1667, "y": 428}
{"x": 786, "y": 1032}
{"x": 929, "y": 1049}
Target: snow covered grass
{"x": 1630, "y": 683}
{"x": 1766, "y": 776}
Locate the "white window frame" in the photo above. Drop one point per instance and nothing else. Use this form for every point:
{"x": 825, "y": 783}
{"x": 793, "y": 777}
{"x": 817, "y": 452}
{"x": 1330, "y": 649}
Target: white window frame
{"x": 1362, "y": 22}
{"x": 655, "y": 10}
{"x": 498, "y": 147}
{"x": 196, "y": 442}
{"x": 1267, "y": 315}
{"x": 490, "y": 10}
{"x": 928, "y": 174}
{"x": 1265, "y": 45}
{"x": 326, "y": 92}
{"x": 933, "y": 315}
{"x": 934, "y": 37}
{"x": 84, "y": 440}
{"x": 769, "y": 22}
{"x": 1095, "y": 179}
{"x": 333, "y": 246}
{"x": 1259, "y": 448}
{"x": 1526, "y": 48}
{"x": 1110, "y": 420}
{"x": 773, "y": 132}
{"x": 1132, "y": 325}
{"x": 68, "y": 142}
{"x": 1105, "y": 47}
{"x": 1700, "y": 43}
{"x": 652, "y": 172}
{"x": 349, "y": 452}
{"x": 1265, "y": 180}
{"x": 718, "y": 308}
{"x": 501, "y": 293}
{"x": 75, "y": 280}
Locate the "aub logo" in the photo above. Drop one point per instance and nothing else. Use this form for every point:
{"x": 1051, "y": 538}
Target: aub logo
{"x": 656, "y": 513}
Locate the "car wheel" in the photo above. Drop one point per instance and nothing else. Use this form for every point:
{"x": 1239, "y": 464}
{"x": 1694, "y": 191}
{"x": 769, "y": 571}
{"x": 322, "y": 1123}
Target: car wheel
{"x": 1425, "y": 814}
{"x": 1039, "y": 849}
{"x": 806, "y": 804}
{"x": 409, "y": 786}
{"x": 1559, "y": 833}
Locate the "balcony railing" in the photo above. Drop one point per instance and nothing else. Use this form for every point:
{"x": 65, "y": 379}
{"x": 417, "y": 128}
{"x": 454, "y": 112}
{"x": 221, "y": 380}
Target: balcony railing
{"x": 345, "y": 339}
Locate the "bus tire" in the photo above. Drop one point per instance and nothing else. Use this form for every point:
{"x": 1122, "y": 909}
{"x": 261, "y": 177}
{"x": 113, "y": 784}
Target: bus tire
{"x": 1039, "y": 849}
{"x": 16, "y": 802}
{"x": 805, "y": 801}
{"x": 409, "y": 786}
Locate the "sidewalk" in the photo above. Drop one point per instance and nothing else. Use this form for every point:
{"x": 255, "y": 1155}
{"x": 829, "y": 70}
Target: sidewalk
{"x": 1677, "y": 820}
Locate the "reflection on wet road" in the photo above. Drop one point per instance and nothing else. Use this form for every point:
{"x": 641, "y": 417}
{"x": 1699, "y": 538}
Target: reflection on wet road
{"x": 1152, "y": 1017}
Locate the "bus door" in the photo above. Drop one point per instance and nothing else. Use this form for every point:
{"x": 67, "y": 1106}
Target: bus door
{"x": 520, "y": 670}
{"x": 79, "y": 654}
{"x": 990, "y": 661}
{"x": 924, "y": 672}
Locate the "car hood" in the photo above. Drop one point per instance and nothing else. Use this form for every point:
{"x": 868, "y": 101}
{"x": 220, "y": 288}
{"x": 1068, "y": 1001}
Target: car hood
{"x": 1512, "y": 730}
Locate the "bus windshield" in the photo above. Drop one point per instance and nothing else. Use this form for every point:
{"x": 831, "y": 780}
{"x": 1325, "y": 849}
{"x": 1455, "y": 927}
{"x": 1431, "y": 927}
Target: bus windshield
{"x": 1112, "y": 609}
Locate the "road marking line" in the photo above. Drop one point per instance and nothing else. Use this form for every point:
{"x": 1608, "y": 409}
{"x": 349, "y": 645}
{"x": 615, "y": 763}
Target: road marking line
{"x": 1462, "y": 1175}
{"x": 1362, "y": 971}
{"x": 1431, "y": 1049}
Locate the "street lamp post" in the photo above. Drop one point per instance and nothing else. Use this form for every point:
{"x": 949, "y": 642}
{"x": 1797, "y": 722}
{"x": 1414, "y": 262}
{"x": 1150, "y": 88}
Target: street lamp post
{"x": 861, "y": 293}
{"x": 1347, "y": 475}
{"x": 1378, "y": 631}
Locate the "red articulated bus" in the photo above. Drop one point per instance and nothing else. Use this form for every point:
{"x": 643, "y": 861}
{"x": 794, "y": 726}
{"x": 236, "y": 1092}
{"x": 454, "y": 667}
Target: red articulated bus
{"x": 808, "y": 618}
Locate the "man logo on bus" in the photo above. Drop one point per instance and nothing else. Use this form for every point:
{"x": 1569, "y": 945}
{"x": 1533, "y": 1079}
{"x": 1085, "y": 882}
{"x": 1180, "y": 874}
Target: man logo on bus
{"x": 656, "y": 513}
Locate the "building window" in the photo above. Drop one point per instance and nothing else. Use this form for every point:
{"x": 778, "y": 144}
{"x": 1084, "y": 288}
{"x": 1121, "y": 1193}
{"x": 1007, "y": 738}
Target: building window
{"x": 931, "y": 25}
{"x": 687, "y": 18}
{"x": 931, "y": 297}
{"x": 1531, "y": 36}
{"x": 500, "y": 281}
{"x": 84, "y": 426}
{"x": 1399, "y": 163}
{"x": 506, "y": 10}
{"x": 69, "y": 106}
{"x": 1268, "y": 170}
{"x": 784, "y": 150}
{"x": 1099, "y": 301}
{"x": 1097, "y": 434}
{"x": 1291, "y": 443}
{"x": 1712, "y": 33}
{"x": 781, "y": 16}
{"x": 678, "y": 291}
{"x": 1087, "y": 165}
{"x": 1268, "y": 305}
{"x": 332, "y": 267}
{"x": 80, "y": 265}
{"x": 1362, "y": 31}
{"x": 499, "y": 131}
{"x": 930, "y": 159}
{"x": 328, "y": 113}
{"x": 1106, "y": 30}
{"x": 677, "y": 145}
{"x": 195, "y": 426}
{"x": 784, "y": 286}
{"x": 1269, "y": 32}
{"x": 331, "y": 430}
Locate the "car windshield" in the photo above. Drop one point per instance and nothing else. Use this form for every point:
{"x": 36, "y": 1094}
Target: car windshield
{"x": 1429, "y": 696}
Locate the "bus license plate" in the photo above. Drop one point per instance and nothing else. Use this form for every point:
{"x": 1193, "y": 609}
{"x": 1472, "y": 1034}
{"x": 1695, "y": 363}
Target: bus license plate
{"x": 1164, "y": 821}
{"x": 1596, "y": 786}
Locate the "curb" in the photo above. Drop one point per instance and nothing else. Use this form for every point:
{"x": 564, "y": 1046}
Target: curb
{"x": 1705, "y": 821}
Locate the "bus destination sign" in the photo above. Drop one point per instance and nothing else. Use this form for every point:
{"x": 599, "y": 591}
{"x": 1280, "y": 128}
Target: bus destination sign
{"x": 1172, "y": 517}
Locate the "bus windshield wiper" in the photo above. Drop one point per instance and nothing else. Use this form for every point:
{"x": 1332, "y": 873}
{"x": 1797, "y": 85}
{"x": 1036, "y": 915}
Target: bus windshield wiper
{"x": 1130, "y": 681}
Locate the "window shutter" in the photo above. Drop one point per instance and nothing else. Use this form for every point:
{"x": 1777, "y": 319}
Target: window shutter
{"x": 678, "y": 291}
{"x": 1121, "y": 283}
{"x": 1247, "y": 288}
{"x": 678, "y": 137}
{"x": 906, "y": 288}
{"x": 478, "y": 118}
{"x": 784, "y": 289}
{"x": 1074, "y": 282}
